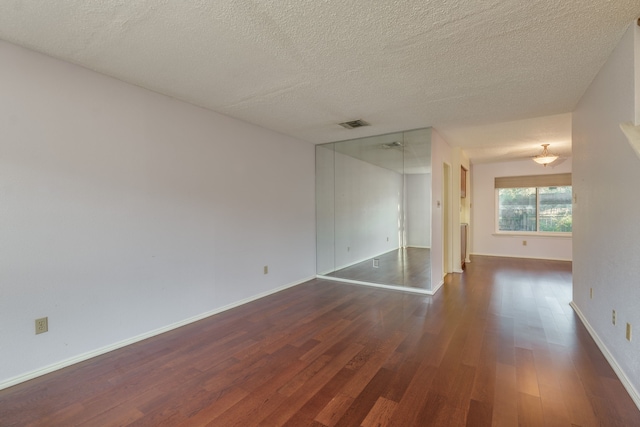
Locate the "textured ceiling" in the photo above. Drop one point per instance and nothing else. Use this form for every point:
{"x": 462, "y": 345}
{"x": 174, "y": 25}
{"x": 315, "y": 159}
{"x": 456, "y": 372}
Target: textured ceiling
{"x": 512, "y": 140}
{"x": 300, "y": 67}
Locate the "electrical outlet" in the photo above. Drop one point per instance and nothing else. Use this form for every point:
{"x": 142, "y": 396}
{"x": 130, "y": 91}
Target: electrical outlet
{"x": 613, "y": 317}
{"x": 42, "y": 325}
{"x": 265, "y": 269}
{"x": 629, "y": 331}
{"x": 524, "y": 243}
{"x": 376, "y": 262}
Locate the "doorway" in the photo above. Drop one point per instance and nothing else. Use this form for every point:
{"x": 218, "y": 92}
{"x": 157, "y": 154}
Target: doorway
{"x": 446, "y": 220}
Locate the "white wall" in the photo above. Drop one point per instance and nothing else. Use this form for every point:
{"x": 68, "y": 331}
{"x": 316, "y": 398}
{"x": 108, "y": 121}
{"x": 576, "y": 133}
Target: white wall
{"x": 440, "y": 154}
{"x": 484, "y": 240}
{"x": 606, "y": 221}
{"x": 123, "y": 211}
{"x": 368, "y": 205}
{"x": 637, "y": 76}
{"x": 418, "y": 210}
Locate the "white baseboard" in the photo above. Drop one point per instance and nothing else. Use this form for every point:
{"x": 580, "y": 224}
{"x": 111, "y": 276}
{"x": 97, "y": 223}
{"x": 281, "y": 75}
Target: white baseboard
{"x": 378, "y": 285}
{"x": 520, "y": 256}
{"x": 106, "y": 349}
{"x": 437, "y": 288}
{"x": 418, "y": 247}
{"x": 352, "y": 263}
{"x": 633, "y": 393}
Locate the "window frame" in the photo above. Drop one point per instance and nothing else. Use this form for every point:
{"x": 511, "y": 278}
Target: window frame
{"x": 496, "y": 216}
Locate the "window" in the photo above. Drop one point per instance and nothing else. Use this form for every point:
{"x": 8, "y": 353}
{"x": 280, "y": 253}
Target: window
{"x": 522, "y": 207}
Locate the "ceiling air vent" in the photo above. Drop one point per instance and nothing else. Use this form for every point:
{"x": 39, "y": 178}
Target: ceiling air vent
{"x": 354, "y": 124}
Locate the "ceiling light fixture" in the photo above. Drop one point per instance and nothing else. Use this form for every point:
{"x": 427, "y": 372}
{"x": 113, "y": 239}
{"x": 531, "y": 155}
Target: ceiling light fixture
{"x": 394, "y": 144}
{"x": 545, "y": 157}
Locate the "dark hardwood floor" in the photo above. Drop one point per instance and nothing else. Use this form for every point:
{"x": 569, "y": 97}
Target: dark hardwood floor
{"x": 410, "y": 267}
{"x": 498, "y": 345}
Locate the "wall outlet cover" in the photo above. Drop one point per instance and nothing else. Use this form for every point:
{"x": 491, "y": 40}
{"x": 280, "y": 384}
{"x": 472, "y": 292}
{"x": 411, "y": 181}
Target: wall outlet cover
{"x": 42, "y": 325}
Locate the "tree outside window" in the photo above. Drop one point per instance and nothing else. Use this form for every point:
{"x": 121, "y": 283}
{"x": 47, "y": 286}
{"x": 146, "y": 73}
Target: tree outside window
{"x": 535, "y": 209}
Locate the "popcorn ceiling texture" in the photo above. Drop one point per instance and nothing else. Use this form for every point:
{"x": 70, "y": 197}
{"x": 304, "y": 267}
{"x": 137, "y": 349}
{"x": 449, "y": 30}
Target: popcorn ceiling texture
{"x": 507, "y": 141}
{"x": 300, "y": 67}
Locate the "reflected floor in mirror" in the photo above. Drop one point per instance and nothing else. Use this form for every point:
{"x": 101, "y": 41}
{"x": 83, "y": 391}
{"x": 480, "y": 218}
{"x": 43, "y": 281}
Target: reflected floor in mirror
{"x": 410, "y": 267}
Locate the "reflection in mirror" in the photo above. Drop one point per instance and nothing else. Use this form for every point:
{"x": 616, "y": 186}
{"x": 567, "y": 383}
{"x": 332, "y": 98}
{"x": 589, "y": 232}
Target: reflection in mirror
{"x": 373, "y": 201}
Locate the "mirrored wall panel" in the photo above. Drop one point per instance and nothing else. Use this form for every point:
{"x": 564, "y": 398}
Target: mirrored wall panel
{"x": 373, "y": 209}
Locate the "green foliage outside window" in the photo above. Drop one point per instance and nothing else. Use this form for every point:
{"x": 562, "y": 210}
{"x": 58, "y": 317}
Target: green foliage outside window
{"x": 544, "y": 209}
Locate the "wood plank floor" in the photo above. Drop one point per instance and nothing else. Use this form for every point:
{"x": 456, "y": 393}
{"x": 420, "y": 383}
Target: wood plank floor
{"x": 410, "y": 267}
{"x": 497, "y": 346}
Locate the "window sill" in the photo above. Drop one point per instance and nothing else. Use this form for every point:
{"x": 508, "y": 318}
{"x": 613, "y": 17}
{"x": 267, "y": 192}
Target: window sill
{"x": 532, "y": 234}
